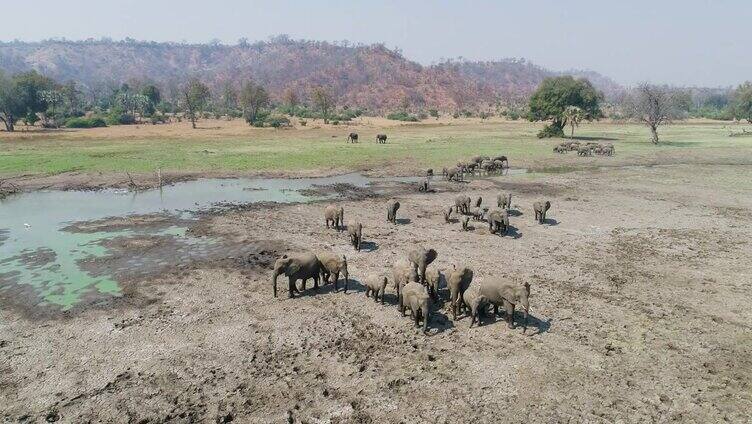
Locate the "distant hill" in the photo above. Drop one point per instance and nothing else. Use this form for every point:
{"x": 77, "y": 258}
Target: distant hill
{"x": 371, "y": 76}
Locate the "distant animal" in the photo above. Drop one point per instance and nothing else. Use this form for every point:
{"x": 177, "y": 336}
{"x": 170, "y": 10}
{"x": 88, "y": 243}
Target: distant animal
{"x": 504, "y": 202}
{"x": 353, "y": 137}
{"x": 296, "y": 266}
{"x": 584, "y": 151}
{"x": 335, "y": 216}
{"x": 478, "y": 213}
{"x": 453, "y": 174}
{"x": 429, "y": 172}
{"x": 478, "y": 202}
{"x": 420, "y": 258}
{"x": 391, "y": 211}
{"x": 540, "y": 209}
{"x": 403, "y": 272}
{"x": 503, "y": 159}
{"x": 447, "y": 212}
{"x": 462, "y": 204}
{"x": 375, "y": 285}
{"x": 423, "y": 186}
{"x": 560, "y": 149}
{"x": 507, "y": 294}
{"x": 381, "y": 138}
{"x": 355, "y": 232}
{"x": 498, "y": 221}
{"x": 457, "y": 282}
{"x": 331, "y": 266}
{"x": 415, "y": 297}
{"x": 465, "y": 220}
{"x": 476, "y": 302}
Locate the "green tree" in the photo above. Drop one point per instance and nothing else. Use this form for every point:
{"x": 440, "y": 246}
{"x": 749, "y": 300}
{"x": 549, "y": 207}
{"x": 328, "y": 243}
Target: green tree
{"x": 21, "y": 95}
{"x": 742, "y": 102}
{"x": 323, "y": 100}
{"x": 11, "y": 105}
{"x": 253, "y": 97}
{"x": 195, "y": 96}
{"x": 152, "y": 93}
{"x": 573, "y": 115}
{"x": 552, "y": 97}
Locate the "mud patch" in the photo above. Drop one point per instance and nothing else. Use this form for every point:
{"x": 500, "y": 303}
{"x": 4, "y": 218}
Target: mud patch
{"x": 131, "y": 222}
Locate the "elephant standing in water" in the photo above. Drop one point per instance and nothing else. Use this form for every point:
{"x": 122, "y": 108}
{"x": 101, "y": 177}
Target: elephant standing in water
{"x": 507, "y": 294}
{"x": 296, "y": 266}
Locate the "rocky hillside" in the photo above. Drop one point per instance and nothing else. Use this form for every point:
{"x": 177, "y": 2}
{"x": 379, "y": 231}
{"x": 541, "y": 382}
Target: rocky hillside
{"x": 372, "y": 76}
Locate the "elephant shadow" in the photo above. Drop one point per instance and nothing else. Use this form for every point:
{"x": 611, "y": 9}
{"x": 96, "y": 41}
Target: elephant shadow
{"x": 540, "y": 325}
{"x": 402, "y": 221}
{"x": 513, "y": 232}
{"x": 489, "y": 318}
{"x": 551, "y": 222}
{"x": 514, "y": 212}
{"x": 440, "y": 321}
{"x": 328, "y": 287}
{"x": 368, "y": 246}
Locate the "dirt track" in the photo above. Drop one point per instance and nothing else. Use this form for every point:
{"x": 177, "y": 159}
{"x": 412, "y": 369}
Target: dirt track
{"x": 640, "y": 304}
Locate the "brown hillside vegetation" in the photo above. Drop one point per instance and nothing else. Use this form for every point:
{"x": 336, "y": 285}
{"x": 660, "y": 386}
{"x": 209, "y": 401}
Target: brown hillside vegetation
{"x": 365, "y": 76}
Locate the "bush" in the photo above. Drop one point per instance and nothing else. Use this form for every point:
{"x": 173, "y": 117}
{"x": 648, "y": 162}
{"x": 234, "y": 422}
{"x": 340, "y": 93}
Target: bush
{"x": 513, "y": 115}
{"x": 402, "y": 116}
{"x": 277, "y": 121}
{"x": 484, "y": 115}
{"x": 335, "y": 122}
{"x": 433, "y": 112}
{"x": 422, "y": 116}
{"x": 303, "y": 123}
{"x": 92, "y": 122}
{"x": 456, "y": 115}
{"x": 550, "y": 131}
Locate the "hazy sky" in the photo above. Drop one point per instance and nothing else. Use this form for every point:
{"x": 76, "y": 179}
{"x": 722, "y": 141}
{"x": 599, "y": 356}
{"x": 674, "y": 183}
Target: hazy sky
{"x": 698, "y": 42}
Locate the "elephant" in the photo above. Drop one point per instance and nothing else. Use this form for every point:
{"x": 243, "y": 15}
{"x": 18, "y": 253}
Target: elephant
{"x": 420, "y": 258}
{"x": 453, "y": 174}
{"x": 353, "y": 137}
{"x": 462, "y": 203}
{"x": 487, "y": 166}
{"x": 465, "y": 220}
{"x": 429, "y": 172}
{"x": 459, "y": 280}
{"x": 447, "y": 213}
{"x": 332, "y": 265}
{"x": 296, "y": 266}
{"x": 560, "y": 149}
{"x": 584, "y": 151}
{"x": 355, "y": 232}
{"x": 381, "y": 138}
{"x": 402, "y": 273}
{"x": 504, "y": 202}
{"x": 391, "y": 211}
{"x": 477, "y": 159}
{"x": 508, "y": 295}
{"x": 376, "y": 286}
{"x": 473, "y": 299}
{"x": 498, "y": 220}
{"x": 503, "y": 159}
{"x": 335, "y": 215}
{"x": 478, "y": 213}
{"x": 608, "y": 150}
{"x": 415, "y": 297}
{"x": 478, "y": 201}
{"x": 434, "y": 281}
{"x": 423, "y": 186}
{"x": 540, "y": 209}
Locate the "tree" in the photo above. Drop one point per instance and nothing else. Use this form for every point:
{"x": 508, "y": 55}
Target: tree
{"x": 229, "y": 100}
{"x": 573, "y": 115}
{"x": 323, "y": 100}
{"x": 195, "y": 95}
{"x": 253, "y": 97}
{"x": 291, "y": 99}
{"x": 152, "y": 93}
{"x": 22, "y": 95}
{"x": 554, "y": 95}
{"x": 742, "y": 102}
{"x": 654, "y": 105}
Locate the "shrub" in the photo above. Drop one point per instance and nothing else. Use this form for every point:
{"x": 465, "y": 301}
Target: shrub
{"x": 93, "y": 122}
{"x": 422, "y": 116}
{"x": 484, "y": 115}
{"x": 402, "y": 116}
{"x": 513, "y": 115}
{"x": 434, "y": 113}
{"x": 303, "y": 123}
{"x": 277, "y": 121}
{"x": 335, "y": 122}
{"x": 456, "y": 115}
{"x": 550, "y": 131}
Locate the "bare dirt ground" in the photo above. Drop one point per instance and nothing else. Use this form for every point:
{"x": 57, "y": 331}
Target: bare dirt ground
{"x": 640, "y": 313}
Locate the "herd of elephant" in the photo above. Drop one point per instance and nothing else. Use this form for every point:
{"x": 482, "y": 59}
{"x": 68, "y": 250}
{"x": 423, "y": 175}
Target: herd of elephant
{"x": 478, "y": 165}
{"x": 417, "y": 286}
{"x": 585, "y": 149}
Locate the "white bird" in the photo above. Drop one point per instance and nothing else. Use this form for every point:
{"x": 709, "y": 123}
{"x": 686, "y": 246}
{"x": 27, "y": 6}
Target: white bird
{"x": 27, "y": 225}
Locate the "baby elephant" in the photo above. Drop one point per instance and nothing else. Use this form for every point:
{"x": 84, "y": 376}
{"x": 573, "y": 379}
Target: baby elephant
{"x": 476, "y": 302}
{"x": 381, "y": 138}
{"x": 403, "y": 273}
{"x": 459, "y": 280}
{"x": 376, "y": 286}
{"x": 447, "y": 213}
{"x": 355, "y": 232}
{"x": 465, "y": 220}
{"x": 391, "y": 211}
{"x": 462, "y": 203}
{"x": 335, "y": 215}
{"x": 498, "y": 221}
{"x": 415, "y": 297}
{"x": 434, "y": 281}
{"x": 332, "y": 265}
{"x": 540, "y": 209}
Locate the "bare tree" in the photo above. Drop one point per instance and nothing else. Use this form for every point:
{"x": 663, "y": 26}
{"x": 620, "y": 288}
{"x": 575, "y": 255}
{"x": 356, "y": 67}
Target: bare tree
{"x": 653, "y": 105}
{"x": 253, "y": 97}
{"x": 291, "y": 99}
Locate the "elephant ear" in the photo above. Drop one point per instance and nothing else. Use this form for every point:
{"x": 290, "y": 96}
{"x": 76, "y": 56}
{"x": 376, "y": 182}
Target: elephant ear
{"x": 293, "y": 267}
{"x": 430, "y": 256}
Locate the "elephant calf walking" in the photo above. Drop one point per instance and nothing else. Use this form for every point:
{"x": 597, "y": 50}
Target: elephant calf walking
{"x": 415, "y": 297}
{"x": 334, "y": 215}
{"x": 331, "y": 266}
{"x": 540, "y": 209}
{"x": 459, "y": 280}
{"x": 376, "y": 286}
{"x": 355, "y": 232}
{"x": 391, "y": 211}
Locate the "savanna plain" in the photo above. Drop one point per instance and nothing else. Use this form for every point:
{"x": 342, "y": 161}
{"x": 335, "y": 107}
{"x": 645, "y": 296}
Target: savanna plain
{"x": 639, "y": 281}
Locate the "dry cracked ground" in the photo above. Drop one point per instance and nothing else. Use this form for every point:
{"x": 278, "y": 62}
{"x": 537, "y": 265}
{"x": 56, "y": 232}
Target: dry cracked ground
{"x": 640, "y": 313}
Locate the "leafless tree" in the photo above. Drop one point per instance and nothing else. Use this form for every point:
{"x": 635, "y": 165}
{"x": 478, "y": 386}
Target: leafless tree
{"x": 323, "y": 100}
{"x": 653, "y": 105}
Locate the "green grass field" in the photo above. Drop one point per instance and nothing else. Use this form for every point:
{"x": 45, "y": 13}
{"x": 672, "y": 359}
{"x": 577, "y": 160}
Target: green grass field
{"x": 237, "y": 148}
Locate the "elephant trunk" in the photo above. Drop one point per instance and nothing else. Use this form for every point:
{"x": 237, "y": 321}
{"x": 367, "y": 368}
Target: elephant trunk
{"x": 274, "y": 281}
